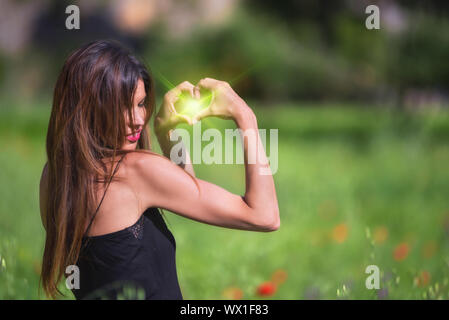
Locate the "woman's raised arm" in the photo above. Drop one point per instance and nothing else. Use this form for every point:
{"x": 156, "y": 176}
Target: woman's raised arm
{"x": 163, "y": 184}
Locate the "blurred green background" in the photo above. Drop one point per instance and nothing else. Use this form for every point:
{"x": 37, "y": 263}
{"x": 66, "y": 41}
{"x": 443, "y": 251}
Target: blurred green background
{"x": 363, "y": 124}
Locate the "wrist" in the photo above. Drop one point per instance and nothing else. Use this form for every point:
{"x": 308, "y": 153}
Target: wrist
{"x": 160, "y": 128}
{"x": 244, "y": 116}
{"x": 163, "y": 136}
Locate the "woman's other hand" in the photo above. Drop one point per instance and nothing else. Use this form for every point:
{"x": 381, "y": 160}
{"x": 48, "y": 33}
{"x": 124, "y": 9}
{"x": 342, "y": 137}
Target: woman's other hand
{"x": 225, "y": 102}
{"x": 168, "y": 118}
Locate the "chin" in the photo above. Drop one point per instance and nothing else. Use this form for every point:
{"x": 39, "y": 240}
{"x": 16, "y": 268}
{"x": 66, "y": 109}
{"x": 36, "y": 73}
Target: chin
{"x": 130, "y": 146}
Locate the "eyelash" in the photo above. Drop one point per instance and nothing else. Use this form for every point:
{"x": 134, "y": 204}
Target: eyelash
{"x": 141, "y": 105}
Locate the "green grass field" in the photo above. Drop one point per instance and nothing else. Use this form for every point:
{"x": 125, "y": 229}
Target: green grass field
{"x": 356, "y": 187}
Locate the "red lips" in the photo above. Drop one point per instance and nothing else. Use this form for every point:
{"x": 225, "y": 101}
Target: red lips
{"x": 134, "y": 137}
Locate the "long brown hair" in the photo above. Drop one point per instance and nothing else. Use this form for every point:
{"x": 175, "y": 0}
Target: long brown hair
{"x": 93, "y": 91}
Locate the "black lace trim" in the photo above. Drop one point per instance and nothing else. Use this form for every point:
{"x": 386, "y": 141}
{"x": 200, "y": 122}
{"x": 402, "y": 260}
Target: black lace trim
{"x": 137, "y": 228}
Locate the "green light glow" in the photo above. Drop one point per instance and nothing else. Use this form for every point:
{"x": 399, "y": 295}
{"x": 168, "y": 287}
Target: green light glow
{"x": 189, "y": 106}
{"x": 163, "y": 80}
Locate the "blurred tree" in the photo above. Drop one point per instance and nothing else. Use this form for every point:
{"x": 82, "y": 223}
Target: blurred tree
{"x": 291, "y": 12}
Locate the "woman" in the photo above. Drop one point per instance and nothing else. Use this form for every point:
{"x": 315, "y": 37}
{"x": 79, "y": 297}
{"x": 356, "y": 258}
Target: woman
{"x": 101, "y": 188}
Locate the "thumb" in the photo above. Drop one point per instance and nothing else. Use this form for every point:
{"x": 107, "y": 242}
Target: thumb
{"x": 201, "y": 114}
{"x": 183, "y": 118}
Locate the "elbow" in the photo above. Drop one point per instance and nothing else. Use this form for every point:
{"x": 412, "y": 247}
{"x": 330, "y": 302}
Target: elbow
{"x": 271, "y": 227}
{"x": 271, "y": 224}
{"x": 274, "y": 225}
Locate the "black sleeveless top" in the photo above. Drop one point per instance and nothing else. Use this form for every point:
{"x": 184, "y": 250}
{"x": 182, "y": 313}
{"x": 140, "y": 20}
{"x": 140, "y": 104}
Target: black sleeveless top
{"x": 137, "y": 262}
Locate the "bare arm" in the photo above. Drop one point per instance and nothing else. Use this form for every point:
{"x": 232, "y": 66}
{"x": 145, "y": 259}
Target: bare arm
{"x": 166, "y": 145}
{"x": 260, "y": 193}
{"x": 169, "y": 186}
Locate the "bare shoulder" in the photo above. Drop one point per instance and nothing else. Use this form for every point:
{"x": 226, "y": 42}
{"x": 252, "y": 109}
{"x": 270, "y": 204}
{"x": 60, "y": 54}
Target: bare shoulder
{"x": 43, "y": 186}
{"x": 150, "y": 165}
{"x": 155, "y": 176}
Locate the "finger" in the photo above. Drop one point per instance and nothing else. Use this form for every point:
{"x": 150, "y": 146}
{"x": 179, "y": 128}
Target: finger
{"x": 196, "y": 91}
{"x": 183, "y": 118}
{"x": 187, "y": 86}
{"x": 172, "y": 108}
{"x": 208, "y": 83}
{"x": 200, "y": 115}
{"x": 172, "y": 95}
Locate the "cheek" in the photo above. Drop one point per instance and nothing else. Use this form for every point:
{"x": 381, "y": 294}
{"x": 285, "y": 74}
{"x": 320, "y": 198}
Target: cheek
{"x": 143, "y": 113}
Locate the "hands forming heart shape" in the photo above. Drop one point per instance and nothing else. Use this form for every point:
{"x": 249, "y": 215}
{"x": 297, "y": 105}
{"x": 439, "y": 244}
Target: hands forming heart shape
{"x": 189, "y": 104}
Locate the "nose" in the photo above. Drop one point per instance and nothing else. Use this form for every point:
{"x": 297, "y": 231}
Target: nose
{"x": 139, "y": 117}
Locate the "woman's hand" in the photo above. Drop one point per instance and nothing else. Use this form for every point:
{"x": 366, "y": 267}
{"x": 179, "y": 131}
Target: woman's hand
{"x": 168, "y": 118}
{"x": 225, "y": 102}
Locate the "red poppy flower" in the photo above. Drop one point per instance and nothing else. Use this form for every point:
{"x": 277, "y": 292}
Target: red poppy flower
{"x": 267, "y": 288}
{"x": 279, "y": 276}
{"x": 401, "y": 251}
